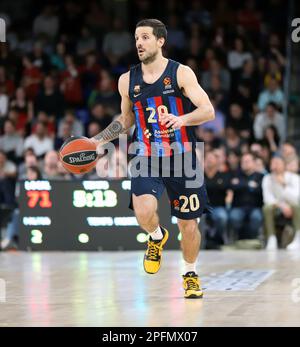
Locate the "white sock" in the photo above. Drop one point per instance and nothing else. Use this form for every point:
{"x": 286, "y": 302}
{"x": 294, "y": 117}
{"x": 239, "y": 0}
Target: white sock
{"x": 157, "y": 234}
{"x": 272, "y": 244}
{"x": 190, "y": 267}
{"x": 295, "y": 244}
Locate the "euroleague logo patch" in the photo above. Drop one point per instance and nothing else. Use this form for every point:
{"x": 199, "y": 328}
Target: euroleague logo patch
{"x": 80, "y": 158}
{"x": 176, "y": 204}
{"x": 167, "y": 81}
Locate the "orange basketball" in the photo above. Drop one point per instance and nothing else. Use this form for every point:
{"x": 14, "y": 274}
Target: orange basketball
{"x": 78, "y": 154}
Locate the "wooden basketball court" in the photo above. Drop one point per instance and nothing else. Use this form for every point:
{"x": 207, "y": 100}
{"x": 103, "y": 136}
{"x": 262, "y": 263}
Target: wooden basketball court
{"x": 243, "y": 288}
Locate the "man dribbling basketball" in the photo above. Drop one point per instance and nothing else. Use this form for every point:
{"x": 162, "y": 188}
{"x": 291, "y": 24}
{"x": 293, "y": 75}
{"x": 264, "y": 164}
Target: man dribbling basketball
{"x": 157, "y": 96}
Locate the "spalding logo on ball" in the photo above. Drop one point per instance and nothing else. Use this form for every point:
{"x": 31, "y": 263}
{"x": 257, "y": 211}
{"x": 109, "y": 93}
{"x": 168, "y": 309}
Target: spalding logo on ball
{"x": 78, "y": 154}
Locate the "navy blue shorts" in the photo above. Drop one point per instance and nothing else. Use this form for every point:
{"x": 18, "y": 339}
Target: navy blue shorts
{"x": 186, "y": 203}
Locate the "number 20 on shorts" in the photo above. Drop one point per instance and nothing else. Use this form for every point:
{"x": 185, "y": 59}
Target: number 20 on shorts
{"x": 190, "y": 203}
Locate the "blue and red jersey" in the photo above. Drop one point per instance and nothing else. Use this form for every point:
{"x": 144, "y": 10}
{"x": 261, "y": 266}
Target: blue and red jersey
{"x": 149, "y": 100}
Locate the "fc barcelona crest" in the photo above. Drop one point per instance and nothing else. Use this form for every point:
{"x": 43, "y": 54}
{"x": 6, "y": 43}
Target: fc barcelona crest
{"x": 137, "y": 89}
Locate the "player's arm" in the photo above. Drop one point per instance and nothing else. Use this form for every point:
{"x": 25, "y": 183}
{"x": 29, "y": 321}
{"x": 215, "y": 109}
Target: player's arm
{"x": 122, "y": 123}
{"x": 190, "y": 87}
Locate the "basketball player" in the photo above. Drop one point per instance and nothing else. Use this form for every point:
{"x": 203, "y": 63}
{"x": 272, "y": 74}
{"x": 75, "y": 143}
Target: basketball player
{"x": 157, "y": 96}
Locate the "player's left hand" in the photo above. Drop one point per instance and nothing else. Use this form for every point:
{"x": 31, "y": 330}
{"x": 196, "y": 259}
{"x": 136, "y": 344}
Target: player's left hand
{"x": 169, "y": 120}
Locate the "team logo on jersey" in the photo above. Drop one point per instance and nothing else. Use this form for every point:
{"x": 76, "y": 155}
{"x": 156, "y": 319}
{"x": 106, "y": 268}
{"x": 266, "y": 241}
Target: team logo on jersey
{"x": 168, "y": 86}
{"x": 167, "y": 81}
{"x": 176, "y": 204}
{"x": 147, "y": 133}
{"x": 137, "y": 89}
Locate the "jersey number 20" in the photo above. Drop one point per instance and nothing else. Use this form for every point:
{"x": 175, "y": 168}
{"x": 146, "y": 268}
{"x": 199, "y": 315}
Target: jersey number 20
{"x": 160, "y": 110}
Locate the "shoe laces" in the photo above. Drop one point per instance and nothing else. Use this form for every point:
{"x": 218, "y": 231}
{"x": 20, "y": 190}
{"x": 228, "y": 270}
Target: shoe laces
{"x": 192, "y": 283}
{"x": 153, "y": 250}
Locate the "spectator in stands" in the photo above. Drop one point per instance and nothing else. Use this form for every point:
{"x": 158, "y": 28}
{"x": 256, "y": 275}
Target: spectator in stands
{"x": 219, "y": 95}
{"x": 50, "y": 99}
{"x": 66, "y": 132}
{"x": 273, "y": 71}
{"x": 217, "y": 184}
{"x": 97, "y": 19}
{"x": 239, "y": 121}
{"x": 215, "y": 70}
{"x": 220, "y": 153}
{"x": 86, "y": 42}
{"x": 208, "y": 136}
{"x": 269, "y": 117}
{"x": 218, "y": 124}
{"x": 8, "y": 172}
{"x": 70, "y": 84}
{"x": 193, "y": 64}
{"x": 33, "y": 173}
{"x": 46, "y": 24}
{"x": 198, "y": 14}
{"x": 40, "y": 142}
{"x": 260, "y": 165}
{"x": 281, "y": 193}
{"x": 246, "y": 88}
{"x": 30, "y": 160}
{"x": 6, "y": 82}
{"x": 63, "y": 173}
{"x": 232, "y": 139}
{"x": 11, "y": 142}
{"x": 49, "y": 121}
{"x": 93, "y": 129}
{"x": 272, "y": 93}
{"x": 233, "y": 161}
{"x": 31, "y": 78}
{"x": 238, "y": 56}
{"x": 118, "y": 42}
{"x": 290, "y": 157}
{"x": 100, "y": 115}
{"x": 89, "y": 74}
{"x": 245, "y": 217}
{"x": 11, "y": 238}
{"x": 249, "y": 17}
{"x": 274, "y": 50}
{"x": 77, "y": 128}
{"x": 272, "y": 138}
{"x": 105, "y": 94}
{"x": 176, "y": 37}
{"x": 50, "y": 167}
{"x": 39, "y": 58}
{"x": 24, "y": 107}
{"x": 209, "y": 54}
{"x": 57, "y": 59}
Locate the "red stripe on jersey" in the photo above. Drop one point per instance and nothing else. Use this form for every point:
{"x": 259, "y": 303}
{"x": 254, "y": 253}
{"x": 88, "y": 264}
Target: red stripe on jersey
{"x": 165, "y": 140}
{"x": 146, "y": 140}
{"x": 183, "y": 132}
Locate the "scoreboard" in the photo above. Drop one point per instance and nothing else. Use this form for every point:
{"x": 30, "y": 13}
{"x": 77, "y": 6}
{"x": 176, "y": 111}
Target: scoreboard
{"x": 84, "y": 215}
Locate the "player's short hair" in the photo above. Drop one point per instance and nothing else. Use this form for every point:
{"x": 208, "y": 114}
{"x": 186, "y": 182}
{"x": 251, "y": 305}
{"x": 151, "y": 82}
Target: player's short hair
{"x": 159, "y": 28}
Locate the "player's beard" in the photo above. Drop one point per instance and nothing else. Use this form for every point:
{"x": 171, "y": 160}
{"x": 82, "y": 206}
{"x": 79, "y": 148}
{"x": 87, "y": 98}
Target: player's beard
{"x": 148, "y": 59}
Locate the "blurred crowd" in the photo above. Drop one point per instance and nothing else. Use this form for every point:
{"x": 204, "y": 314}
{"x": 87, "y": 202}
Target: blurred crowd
{"x": 58, "y": 77}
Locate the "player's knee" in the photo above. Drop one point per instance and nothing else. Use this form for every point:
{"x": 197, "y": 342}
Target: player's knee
{"x": 188, "y": 228}
{"x": 143, "y": 214}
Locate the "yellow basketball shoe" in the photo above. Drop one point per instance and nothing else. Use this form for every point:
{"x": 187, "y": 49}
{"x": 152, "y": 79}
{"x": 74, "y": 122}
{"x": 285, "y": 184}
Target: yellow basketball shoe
{"x": 152, "y": 258}
{"x": 192, "y": 286}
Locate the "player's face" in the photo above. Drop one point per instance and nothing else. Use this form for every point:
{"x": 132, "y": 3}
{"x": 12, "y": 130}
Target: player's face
{"x": 147, "y": 44}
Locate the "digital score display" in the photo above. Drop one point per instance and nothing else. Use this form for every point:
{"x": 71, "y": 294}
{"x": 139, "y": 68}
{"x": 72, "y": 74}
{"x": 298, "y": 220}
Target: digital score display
{"x": 84, "y": 215}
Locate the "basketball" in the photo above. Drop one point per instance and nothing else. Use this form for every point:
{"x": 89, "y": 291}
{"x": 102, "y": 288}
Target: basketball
{"x": 78, "y": 154}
